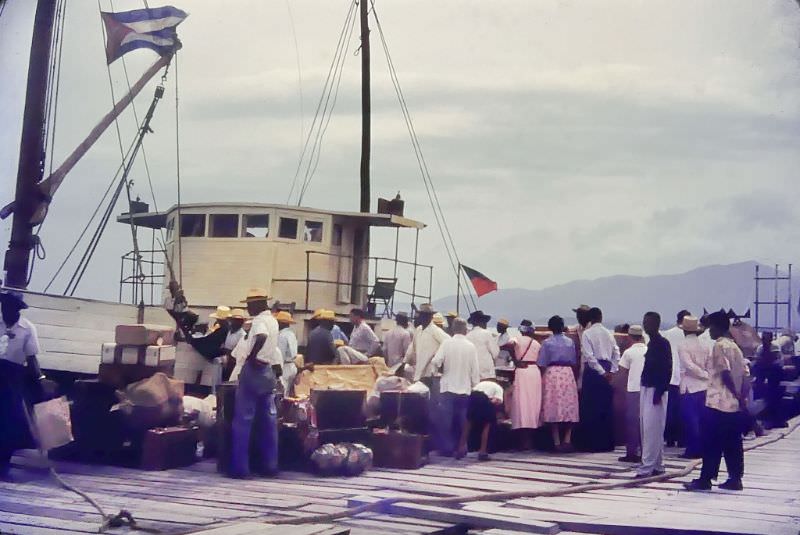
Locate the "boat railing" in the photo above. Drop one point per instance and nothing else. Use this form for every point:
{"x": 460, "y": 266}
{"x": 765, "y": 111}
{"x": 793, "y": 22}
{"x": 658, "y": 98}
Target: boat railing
{"x": 418, "y": 290}
{"x": 141, "y": 285}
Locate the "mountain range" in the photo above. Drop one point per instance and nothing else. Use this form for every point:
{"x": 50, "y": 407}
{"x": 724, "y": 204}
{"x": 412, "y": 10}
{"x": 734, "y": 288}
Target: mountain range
{"x": 625, "y": 298}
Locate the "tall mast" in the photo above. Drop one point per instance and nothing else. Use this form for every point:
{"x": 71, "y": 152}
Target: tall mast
{"x": 365, "y": 106}
{"x": 32, "y": 148}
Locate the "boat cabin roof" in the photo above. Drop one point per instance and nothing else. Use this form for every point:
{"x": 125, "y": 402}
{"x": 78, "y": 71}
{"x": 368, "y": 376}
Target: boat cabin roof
{"x": 157, "y": 220}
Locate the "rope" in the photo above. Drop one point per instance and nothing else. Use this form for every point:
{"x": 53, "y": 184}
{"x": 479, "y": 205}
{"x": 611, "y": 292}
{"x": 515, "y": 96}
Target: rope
{"x": 497, "y": 496}
{"x": 299, "y": 77}
{"x": 325, "y": 91}
{"x": 177, "y": 228}
{"x": 433, "y": 197}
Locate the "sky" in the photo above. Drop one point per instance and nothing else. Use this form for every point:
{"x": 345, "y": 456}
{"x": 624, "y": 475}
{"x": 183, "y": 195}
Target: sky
{"x": 567, "y": 140}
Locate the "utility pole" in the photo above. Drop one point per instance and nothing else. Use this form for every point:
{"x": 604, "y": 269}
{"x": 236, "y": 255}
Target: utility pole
{"x": 366, "y": 107}
{"x": 32, "y": 149}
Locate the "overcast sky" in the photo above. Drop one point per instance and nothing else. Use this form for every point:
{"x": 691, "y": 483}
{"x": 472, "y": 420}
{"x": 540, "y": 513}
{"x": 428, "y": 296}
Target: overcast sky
{"x": 567, "y": 139}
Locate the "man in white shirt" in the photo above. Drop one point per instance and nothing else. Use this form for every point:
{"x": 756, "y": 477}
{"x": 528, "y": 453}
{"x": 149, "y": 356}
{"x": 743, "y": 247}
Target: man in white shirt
{"x": 19, "y": 345}
{"x": 287, "y": 345}
{"x": 484, "y": 402}
{"x": 362, "y": 338}
{"x": 236, "y": 333}
{"x": 485, "y": 344}
{"x": 504, "y": 343}
{"x": 675, "y": 336}
{"x": 694, "y": 383}
{"x": 600, "y": 355}
{"x": 633, "y": 361}
{"x": 256, "y": 391}
{"x": 427, "y": 339}
{"x": 397, "y": 341}
{"x": 458, "y": 360}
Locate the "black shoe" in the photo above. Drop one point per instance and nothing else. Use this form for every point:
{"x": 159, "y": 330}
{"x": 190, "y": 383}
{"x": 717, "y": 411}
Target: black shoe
{"x": 484, "y": 457}
{"x": 630, "y": 459}
{"x": 687, "y": 455}
{"x": 732, "y": 484}
{"x": 659, "y": 472}
{"x": 642, "y": 476}
{"x": 698, "y": 484}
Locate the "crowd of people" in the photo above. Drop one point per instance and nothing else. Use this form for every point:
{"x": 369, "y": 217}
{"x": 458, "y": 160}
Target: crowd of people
{"x": 689, "y": 384}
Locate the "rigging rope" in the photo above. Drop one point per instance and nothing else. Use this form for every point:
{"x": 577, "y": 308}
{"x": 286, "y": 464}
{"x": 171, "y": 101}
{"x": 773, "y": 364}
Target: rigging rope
{"x": 433, "y": 197}
{"x": 178, "y": 178}
{"x": 299, "y": 78}
{"x": 322, "y": 98}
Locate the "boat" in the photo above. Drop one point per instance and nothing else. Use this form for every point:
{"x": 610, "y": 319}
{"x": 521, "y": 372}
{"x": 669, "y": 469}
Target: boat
{"x": 307, "y": 258}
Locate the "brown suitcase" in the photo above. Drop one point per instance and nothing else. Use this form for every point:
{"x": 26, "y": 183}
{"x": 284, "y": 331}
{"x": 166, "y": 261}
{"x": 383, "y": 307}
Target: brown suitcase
{"x": 169, "y": 447}
{"x": 144, "y": 335}
{"x": 121, "y": 375}
{"x": 399, "y": 450}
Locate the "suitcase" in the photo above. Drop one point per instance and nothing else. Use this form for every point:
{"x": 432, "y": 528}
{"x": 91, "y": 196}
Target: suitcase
{"x": 339, "y": 409}
{"x": 355, "y": 435}
{"x": 144, "y": 335}
{"x": 121, "y": 375}
{"x": 398, "y": 450}
{"x": 169, "y": 447}
{"x": 413, "y": 411}
{"x": 295, "y": 445}
{"x": 113, "y": 353}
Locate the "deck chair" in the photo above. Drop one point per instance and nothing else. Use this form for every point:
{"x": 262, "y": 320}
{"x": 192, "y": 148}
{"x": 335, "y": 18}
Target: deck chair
{"x": 382, "y": 292}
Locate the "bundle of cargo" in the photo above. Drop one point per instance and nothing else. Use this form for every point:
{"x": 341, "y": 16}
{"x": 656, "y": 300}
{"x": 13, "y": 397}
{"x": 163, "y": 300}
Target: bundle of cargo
{"x": 138, "y": 352}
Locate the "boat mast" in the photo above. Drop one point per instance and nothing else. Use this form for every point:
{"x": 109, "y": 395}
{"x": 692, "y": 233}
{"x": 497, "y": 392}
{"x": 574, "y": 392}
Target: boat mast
{"x": 365, "y": 106}
{"x": 32, "y": 149}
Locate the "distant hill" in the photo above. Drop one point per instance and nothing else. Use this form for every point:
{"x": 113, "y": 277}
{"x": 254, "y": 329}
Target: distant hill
{"x": 625, "y": 298}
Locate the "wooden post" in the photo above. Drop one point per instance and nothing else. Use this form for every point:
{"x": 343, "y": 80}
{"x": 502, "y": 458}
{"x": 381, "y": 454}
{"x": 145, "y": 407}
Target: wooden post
{"x": 32, "y": 148}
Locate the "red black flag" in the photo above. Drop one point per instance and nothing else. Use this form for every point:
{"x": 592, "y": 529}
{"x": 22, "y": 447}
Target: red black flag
{"x": 482, "y": 284}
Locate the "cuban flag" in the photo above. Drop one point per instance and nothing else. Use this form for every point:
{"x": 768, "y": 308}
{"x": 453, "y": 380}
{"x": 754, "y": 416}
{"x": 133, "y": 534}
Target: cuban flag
{"x": 152, "y": 28}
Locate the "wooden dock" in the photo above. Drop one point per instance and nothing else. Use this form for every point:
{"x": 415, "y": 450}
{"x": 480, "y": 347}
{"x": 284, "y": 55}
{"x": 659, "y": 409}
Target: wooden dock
{"x": 198, "y": 500}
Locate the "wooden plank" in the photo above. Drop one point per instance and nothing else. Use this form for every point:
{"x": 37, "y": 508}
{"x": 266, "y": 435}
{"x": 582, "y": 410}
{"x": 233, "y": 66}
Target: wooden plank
{"x": 18, "y": 529}
{"x": 45, "y": 522}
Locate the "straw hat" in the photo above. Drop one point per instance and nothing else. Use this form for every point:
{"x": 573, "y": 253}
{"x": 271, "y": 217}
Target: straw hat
{"x": 284, "y": 317}
{"x": 636, "y": 330}
{"x": 326, "y": 315}
{"x": 690, "y": 324}
{"x": 438, "y": 319}
{"x": 451, "y": 314}
{"x": 317, "y": 312}
{"x": 222, "y": 313}
{"x": 256, "y": 294}
{"x": 338, "y": 342}
{"x": 503, "y": 321}
{"x": 238, "y": 314}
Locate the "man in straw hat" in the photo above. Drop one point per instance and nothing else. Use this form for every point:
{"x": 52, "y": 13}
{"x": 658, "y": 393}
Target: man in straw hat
{"x": 397, "y": 340}
{"x": 504, "y": 342}
{"x": 256, "y": 391}
{"x": 633, "y": 361}
{"x": 484, "y": 342}
{"x": 320, "y": 348}
{"x": 287, "y": 344}
{"x": 450, "y": 316}
{"x": 694, "y": 382}
{"x": 19, "y": 345}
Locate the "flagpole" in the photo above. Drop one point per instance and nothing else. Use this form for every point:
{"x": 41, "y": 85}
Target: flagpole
{"x": 458, "y": 291}
{"x": 49, "y": 186}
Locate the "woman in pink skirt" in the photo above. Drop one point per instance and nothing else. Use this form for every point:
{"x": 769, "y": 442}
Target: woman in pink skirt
{"x": 560, "y": 391}
{"x": 526, "y": 400}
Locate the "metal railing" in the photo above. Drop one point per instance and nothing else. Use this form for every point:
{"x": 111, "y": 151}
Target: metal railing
{"x": 377, "y": 262}
{"x": 141, "y": 286}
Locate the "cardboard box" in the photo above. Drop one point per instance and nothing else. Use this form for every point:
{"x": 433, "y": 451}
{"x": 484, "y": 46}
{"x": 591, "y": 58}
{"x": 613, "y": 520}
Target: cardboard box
{"x": 144, "y": 335}
{"x": 113, "y": 353}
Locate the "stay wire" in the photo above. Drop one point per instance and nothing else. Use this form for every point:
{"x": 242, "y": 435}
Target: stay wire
{"x": 325, "y": 90}
{"x": 433, "y": 197}
{"x": 299, "y": 77}
{"x": 327, "y": 121}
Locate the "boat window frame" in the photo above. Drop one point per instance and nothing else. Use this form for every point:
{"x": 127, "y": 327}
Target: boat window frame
{"x": 297, "y": 219}
{"x": 321, "y": 223}
{"x": 169, "y": 229}
{"x": 204, "y": 215}
{"x": 270, "y": 220}
{"x": 210, "y": 224}
{"x": 334, "y": 241}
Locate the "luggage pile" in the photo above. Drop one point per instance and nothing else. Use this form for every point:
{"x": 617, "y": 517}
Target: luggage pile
{"x": 132, "y": 413}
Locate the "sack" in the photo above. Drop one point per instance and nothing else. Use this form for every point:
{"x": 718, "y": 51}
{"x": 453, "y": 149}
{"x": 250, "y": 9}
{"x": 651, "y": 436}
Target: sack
{"x": 153, "y": 402}
{"x": 53, "y": 423}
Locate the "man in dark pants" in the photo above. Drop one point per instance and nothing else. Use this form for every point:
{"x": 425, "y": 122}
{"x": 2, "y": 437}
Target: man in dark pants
{"x": 19, "y": 345}
{"x": 725, "y": 404}
{"x": 673, "y": 432}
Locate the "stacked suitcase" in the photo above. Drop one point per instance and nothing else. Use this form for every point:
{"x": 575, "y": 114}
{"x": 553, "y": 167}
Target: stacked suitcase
{"x": 139, "y": 351}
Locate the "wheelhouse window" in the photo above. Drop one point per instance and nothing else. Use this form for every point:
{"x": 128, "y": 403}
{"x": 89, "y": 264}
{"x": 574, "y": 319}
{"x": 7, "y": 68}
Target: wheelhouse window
{"x": 288, "y": 228}
{"x": 338, "y": 232}
{"x": 312, "y": 231}
{"x": 193, "y": 225}
{"x": 224, "y": 225}
{"x": 255, "y": 226}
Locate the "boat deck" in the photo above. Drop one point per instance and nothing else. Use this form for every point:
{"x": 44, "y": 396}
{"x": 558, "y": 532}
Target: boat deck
{"x": 197, "y": 499}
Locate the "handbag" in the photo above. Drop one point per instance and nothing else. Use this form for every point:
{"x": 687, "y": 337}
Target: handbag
{"x": 53, "y": 424}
